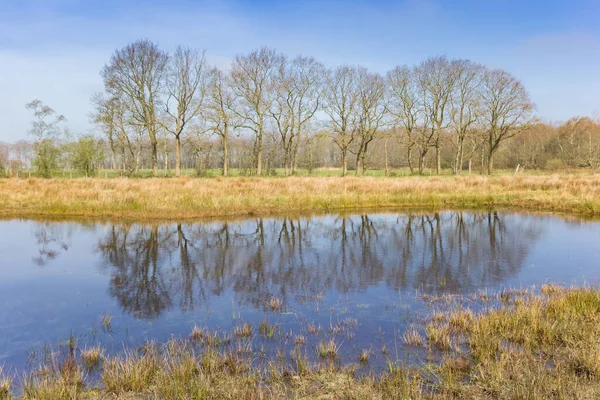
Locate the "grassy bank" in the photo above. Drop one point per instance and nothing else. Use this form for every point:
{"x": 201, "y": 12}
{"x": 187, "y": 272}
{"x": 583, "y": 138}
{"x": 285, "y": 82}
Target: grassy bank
{"x": 238, "y": 196}
{"x": 525, "y": 345}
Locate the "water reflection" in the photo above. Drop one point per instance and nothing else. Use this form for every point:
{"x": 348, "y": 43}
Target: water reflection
{"x": 156, "y": 267}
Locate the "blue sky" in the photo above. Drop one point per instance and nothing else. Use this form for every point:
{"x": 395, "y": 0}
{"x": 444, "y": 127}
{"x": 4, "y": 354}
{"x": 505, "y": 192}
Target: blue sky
{"x": 54, "y": 49}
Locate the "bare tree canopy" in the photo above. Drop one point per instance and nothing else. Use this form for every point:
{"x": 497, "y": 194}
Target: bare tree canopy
{"x": 506, "y": 109}
{"x": 137, "y": 71}
{"x": 269, "y": 114}
{"x": 253, "y": 78}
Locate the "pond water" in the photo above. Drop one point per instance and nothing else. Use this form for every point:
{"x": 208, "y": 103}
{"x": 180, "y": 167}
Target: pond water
{"x": 360, "y": 277}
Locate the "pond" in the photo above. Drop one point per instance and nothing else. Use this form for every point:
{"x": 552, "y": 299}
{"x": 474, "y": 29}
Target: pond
{"x": 360, "y": 278}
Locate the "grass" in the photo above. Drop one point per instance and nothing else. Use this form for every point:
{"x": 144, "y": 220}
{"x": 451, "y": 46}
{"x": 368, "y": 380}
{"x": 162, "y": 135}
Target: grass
{"x": 240, "y": 196}
{"x": 267, "y": 330}
{"x": 91, "y": 356}
{"x": 328, "y": 348}
{"x": 544, "y": 346}
{"x": 244, "y": 330}
{"x": 275, "y": 303}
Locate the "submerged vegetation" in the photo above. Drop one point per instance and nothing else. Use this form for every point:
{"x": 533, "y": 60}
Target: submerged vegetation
{"x": 195, "y": 198}
{"x": 521, "y": 344}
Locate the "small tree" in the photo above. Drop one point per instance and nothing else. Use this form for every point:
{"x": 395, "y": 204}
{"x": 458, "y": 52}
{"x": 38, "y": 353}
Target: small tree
{"x": 45, "y": 129}
{"x": 87, "y": 154}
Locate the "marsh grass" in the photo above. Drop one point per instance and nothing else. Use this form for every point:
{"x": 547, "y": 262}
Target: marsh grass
{"x": 267, "y": 330}
{"x": 328, "y": 348}
{"x": 545, "y": 346}
{"x": 195, "y": 198}
{"x": 364, "y": 355}
{"x": 244, "y": 331}
{"x": 6, "y": 384}
{"x": 91, "y": 356}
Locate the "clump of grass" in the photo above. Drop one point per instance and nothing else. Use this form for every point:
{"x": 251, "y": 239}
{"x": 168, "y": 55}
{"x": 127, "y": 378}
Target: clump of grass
{"x": 60, "y": 378}
{"x": 106, "y": 322}
{"x": 91, "y": 356}
{"x": 6, "y": 384}
{"x": 313, "y": 329}
{"x": 266, "y": 330}
{"x": 328, "y": 348}
{"x": 197, "y": 334}
{"x": 461, "y": 319}
{"x": 275, "y": 304}
{"x": 412, "y": 337}
{"x": 364, "y": 355}
{"x": 131, "y": 373}
{"x": 439, "y": 335}
{"x": 551, "y": 288}
{"x": 243, "y": 331}
{"x": 299, "y": 340}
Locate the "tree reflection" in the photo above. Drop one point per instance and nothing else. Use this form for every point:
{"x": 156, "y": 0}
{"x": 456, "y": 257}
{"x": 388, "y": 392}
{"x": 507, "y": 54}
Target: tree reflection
{"x": 153, "y": 267}
{"x": 140, "y": 279}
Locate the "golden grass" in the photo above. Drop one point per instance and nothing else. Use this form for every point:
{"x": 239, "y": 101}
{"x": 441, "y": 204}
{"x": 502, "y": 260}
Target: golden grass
{"x": 91, "y": 356}
{"x": 544, "y": 347}
{"x": 196, "y": 198}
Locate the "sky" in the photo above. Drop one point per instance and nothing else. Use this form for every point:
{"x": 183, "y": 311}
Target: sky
{"x": 53, "y": 50}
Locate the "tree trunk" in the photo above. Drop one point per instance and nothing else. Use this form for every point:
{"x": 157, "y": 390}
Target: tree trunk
{"x": 177, "y": 156}
{"x": 259, "y": 149}
{"x": 225, "y": 154}
{"x": 166, "y": 165}
{"x": 344, "y": 162}
{"x": 154, "y": 157}
{"x": 114, "y": 154}
{"x": 310, "y": 158}
{"x": 421, "y": 162}
{"x": 387, "y": 166}
{"x": 409, "y": 157}
{"x": 490, "y": 163}
{"x": 358, "y": 161}
{"x": 438, "y": 156}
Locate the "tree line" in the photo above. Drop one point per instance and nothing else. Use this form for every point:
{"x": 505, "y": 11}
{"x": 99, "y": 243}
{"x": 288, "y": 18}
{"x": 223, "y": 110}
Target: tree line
{"x": 268, "y": 111}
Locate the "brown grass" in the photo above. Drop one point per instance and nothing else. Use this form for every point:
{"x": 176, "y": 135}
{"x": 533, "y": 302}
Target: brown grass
{"x": 543, "y": 347}
{"x": 195, "y": 198}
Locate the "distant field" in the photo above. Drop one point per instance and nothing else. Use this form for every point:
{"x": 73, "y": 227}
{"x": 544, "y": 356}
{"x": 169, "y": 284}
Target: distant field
{"x": 238, "y": 196}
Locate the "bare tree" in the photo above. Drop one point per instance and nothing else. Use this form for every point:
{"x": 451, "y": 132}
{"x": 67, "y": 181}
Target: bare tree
{"x": 137, "y": 71}
{"x": 105, "y": 115}
{"x": 186, "y": 88}
{"x": 436, "y": 80}
{"x": 370, "y": 112}
{"x": 297, "y": 95}
{"x": 219, "y": 112}
{"x": 403, "y": 105}
{"x": 253, "y": 78}
{"x": 341, "y": 96}
{"x": 506, "y": 110}
{"x": 465, "y": 105}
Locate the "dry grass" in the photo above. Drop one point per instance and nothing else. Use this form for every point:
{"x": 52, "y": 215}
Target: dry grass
{"x": 543, "y": 347}
{"x": 412, "y": 338}
{"x": 328, "y": 348}
{"x": 244, "y": 330}
{"x": 6, "y": 384}
{"x": 91, "y": 356}
{"x": 195, "y": 198}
